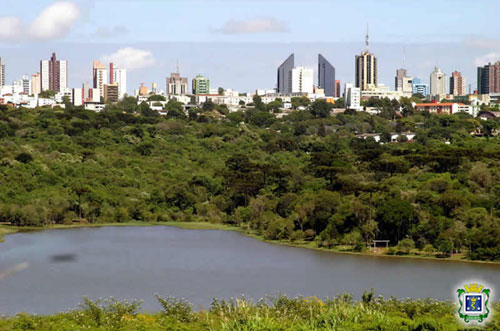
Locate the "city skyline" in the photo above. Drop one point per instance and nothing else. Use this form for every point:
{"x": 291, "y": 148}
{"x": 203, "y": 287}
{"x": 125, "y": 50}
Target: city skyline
{"x": 262, "y": 75}
{"x": 209, "y": 46}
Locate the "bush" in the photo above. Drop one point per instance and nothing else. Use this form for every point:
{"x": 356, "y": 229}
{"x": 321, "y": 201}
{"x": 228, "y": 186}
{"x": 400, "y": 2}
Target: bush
{"x": 405, "y": 246}
{"x": 429, "y": 249}
{"x": 178, "y": 309}
{"x": 24, "y": 158}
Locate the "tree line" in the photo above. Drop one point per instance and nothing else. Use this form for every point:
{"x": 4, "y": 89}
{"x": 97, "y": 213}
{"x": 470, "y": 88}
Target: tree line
{"x": 308, "y": 177}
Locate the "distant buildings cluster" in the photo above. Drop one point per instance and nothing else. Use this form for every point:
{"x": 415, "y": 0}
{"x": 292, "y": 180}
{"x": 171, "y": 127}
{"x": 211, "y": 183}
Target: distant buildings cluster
{"x": 49, "y": 86}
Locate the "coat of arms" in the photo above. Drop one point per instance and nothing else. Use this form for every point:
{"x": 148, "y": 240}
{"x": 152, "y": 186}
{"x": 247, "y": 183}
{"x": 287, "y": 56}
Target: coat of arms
{"x": 473, "y": 299}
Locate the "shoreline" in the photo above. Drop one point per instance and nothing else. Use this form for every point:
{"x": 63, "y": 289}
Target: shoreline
{"x": 8, "y": 229}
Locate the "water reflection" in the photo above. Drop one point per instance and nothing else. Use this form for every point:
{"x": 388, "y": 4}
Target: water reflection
{"x": 63, "y": 258}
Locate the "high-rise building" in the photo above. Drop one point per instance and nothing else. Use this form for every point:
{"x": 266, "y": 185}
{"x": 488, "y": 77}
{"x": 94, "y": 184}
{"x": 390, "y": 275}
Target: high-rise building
{"x": 54, "y": 74}
{"x": 201, "y": 85}
{"x": 302, "y": 80}
{"x": 26, "y": 82}
{"x": 488, "y": 78}
{"x": 177, "y": 85}
{"x": 366, "y": 67}
{"x": 100, "y": 76}
{"x": 438, "y": 84}
{"x": 457, "y": 84}
{"x": 118, "y": 76}
{"x": 352, "y": 97}
{"x": 326, "y": 76}
{"x": 111, "y": 93}
{"x": 419, "y": 87}
{"x": 407, "y": 87}
{"x": 338, "y": 93}
{"x": 2, "y": 73}
{"x": 284, "y": 75}
{"x": 403, "y": 83}
{"x": 400, "y": 74}
{"x": 36, "y": 84}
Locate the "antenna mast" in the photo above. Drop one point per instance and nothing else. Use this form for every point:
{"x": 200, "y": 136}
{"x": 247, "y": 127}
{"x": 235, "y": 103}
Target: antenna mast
{"x": 367, "y": 40}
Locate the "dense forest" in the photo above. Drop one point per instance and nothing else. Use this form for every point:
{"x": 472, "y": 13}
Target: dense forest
{"x": 271, "y": 314}
{"x": 305, "y": 178}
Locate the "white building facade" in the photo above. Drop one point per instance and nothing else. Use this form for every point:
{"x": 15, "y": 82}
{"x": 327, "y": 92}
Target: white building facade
{"x": 438, "y": 84}
{"x": 352, "y": 97}
{"x": 302, "y": 80}
{"x": 120, "y": 78}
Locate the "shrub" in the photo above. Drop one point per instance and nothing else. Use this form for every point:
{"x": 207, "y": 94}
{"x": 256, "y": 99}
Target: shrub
{"x": 178, "y": 309}
{"x": 24, "y": 157}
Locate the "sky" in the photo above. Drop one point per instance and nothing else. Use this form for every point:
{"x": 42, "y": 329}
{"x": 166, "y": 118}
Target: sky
{"x": 239, "y": 44}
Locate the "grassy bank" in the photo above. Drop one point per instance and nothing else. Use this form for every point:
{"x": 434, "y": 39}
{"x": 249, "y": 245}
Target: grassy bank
{"x": 4, "y": 230}
{"x": 367, "y": 252}
{"x": 277, "y": 313}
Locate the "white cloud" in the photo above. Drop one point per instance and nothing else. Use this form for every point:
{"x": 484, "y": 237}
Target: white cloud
{"x": 131, "y": 58}
{"x": 256, "y": 25}
{"x": 487, "y": 58}
{"x": 11, "y": 28}
{"x": 53, "y": 22}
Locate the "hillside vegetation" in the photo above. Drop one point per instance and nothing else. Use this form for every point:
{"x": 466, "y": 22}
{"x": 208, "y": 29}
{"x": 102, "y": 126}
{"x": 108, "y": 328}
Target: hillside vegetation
{"x": 305, "y": 178}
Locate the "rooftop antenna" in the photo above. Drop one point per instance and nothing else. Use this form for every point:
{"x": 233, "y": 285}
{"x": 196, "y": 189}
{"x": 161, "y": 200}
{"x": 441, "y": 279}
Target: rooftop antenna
{"x": 367, "y": 40}
{"x": 177, "y": 66}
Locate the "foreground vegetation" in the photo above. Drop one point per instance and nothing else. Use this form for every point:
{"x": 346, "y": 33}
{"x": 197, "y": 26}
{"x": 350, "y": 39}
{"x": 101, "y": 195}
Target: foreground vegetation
{"x": 278, "y": 313}
{"x": 306, "y": 178}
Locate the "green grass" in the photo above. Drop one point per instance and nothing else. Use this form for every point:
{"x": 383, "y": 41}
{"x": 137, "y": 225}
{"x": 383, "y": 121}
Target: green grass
{"x": 271, "y": 314}
{"x": 5, "y": 230}
{"x": 202, "y": 226}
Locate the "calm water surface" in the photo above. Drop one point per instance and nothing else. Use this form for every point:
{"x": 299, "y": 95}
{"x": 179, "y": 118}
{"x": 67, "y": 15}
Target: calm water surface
{"x": 137, "y": 262}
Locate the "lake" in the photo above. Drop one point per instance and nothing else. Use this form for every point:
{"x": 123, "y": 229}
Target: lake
{"x": 62, "y": 266}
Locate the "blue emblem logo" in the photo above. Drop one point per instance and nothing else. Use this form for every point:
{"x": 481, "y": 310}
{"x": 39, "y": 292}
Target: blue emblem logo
{"x": 473, "y": 303}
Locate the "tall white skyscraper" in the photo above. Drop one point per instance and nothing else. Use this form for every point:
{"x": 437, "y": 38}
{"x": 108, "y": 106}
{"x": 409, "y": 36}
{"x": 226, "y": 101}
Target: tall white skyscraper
{"x": 44, "y": 75}
{"x": 2, "y": 73}
{"x": 302, "y": 80}
{"x": 63, "y": 75}
{"x": 120, "y": 78}
{"x": 438, "y": 84}
{"x": 26, "y": 82}
{"x": 352, "y": 97}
